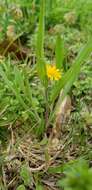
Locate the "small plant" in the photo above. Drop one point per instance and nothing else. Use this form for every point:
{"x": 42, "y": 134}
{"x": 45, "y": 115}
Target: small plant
{"x": 53, "y": 79}
{"x": 49, "y": 73}
{"x": 78, "y": 176}
{"x": 21, "y": 187}
{"x": 25, "y": 177}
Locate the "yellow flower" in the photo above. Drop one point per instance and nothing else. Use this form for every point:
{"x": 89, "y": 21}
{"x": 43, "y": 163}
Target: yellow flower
{"x": 53, "y": 73}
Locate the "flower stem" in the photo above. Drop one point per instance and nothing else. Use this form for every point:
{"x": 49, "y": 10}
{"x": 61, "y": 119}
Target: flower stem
{"x": 47, "y": 107}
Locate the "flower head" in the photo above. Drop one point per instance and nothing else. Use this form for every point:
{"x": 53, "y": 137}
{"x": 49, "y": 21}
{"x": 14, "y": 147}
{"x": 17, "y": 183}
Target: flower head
{"x": 17, "y": 13}
{"x": 53, "y": 73}
{"x": 10, "y": 32}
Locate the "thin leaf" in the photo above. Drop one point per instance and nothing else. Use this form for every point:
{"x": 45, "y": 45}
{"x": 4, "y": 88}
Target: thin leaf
{"x": 40, "y": 37}
{"x": 41, "y": 67}
{"x": 59, "y": 51}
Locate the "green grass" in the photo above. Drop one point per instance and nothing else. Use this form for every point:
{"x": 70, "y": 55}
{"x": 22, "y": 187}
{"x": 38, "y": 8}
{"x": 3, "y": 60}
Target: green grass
{"x": 28, "y": 100}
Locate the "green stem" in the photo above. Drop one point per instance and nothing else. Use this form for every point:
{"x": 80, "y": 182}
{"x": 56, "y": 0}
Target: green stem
{"x": 47, "y": 108}
{"x": 6, "y": 3}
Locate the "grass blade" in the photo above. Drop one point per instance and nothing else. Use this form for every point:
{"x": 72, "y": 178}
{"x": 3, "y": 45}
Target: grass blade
{"x": 59, "y": 51}
{"x": 41, "y": 67}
